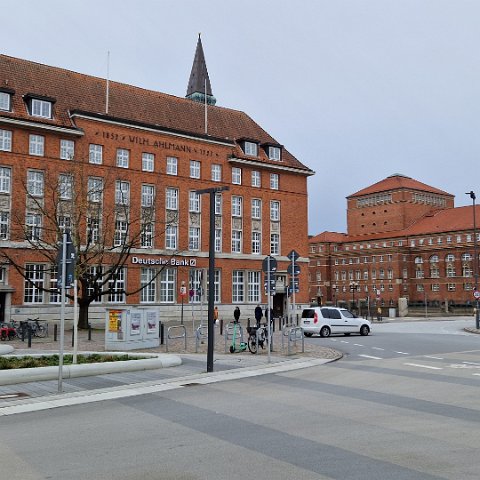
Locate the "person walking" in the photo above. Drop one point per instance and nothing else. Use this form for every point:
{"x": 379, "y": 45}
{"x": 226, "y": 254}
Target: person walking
{"x": 215, "y": 315}
{"x": 258, "y": 314}
{"x": 236, "y": 314}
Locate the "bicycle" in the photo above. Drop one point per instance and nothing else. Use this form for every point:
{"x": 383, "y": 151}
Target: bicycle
{"x": 257, "y": 335}
{"x": 38, "y": 330}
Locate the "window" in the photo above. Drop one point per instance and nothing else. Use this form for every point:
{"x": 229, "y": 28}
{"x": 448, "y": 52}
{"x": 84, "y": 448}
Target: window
{"x": 450, "y": 257}
{"x": 147, "y": 283}
{"x": 194, "y": 238}
{"x": 116, "y": 286}
{"x": 172, "y": 165}
{"x": 435, "y": 287}
{"x": 218, "y": 240}
{"x": 256, "y": 243}
{"x": 274, "y": 153}
{"x": 122, "y": 192}
{"x": 238, "y": 292}
{"x": 35, "y": 183}
{"x": 172, "y": 199}
{"x": 167, "y": 285}
{"x": 236, "y": 241}
{"x": 5, "y": 101}
{"x": 274, "y": 244}
{"x": 218, "y": 204}
{"x": 55, "y": 292}
{"x": 250, "y": 148}
{"x": 95, "y": 284}
{"x": 34, "y": 283}
{"x": 216, "y": 282}
{"x": 256, "y": 179}
{"x": 146, "y": 236}
{"x": 4, "y": 225}
{"x": 95, "y": 154}
{"x": 253, "y": 284}
{"x": 67, "y": 149}
{"x": 148, "y": 195}
{"x": 36, "y": 145}
{"x": 41, "y": 108}
{"x": 5, "y": 179}
{"x": 64, "y": 223}
{"x": 216, "y": 173}
{"x": 95, "y": 189}
{"x": 5, "y": 140}
{"x": 93, "y": 230}
{"x": 65, "y": 187}
{"x": 194, "y": 169}
{"x": 274, "y": 211}
{"x": 451, "y": 287}
{"x": 148, "y": 162}
{"x": 171, "y": 237}
{"x": 194, "y": 202}
{"x": 274, "y": 181}
{"x": 123, "y": 157}
{"x": 121, "y": 231}
{"x": 33, "y": 227}
{"x": 236, "y": 176}
{"x": 237, "y": 206}
{"x": 256, "y": 208}
{"x": 196, "y": 284}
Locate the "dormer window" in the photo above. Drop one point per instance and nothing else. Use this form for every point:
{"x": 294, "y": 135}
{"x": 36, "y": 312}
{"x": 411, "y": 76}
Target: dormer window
{"x": 274, "y": 153}
{"x": 41, "y": 108}
{"x": 5, "y": 101}
{"x": 250, "y": 148}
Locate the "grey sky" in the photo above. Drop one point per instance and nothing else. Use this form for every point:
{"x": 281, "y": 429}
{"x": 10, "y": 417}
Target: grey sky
{"x": 355, "y": 89}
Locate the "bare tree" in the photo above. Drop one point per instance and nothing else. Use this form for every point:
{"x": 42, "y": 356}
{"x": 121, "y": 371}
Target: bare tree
{"x": 105, "y": 225}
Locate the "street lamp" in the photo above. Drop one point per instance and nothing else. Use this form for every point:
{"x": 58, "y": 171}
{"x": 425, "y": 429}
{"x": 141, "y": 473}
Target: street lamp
{"x": 471, "y": 194}
{"x": 353, "y": 288}
{"x": 334, "y": 288}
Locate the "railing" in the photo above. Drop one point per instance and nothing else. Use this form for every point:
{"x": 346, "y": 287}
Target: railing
{"x": 170, "y": 335}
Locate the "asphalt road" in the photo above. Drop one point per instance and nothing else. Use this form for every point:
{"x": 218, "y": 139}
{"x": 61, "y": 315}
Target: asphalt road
{"x": 410, "y": 413}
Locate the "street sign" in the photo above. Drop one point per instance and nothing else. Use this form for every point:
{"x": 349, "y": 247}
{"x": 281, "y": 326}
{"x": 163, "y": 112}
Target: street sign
{"x": 293, "y": 269}
{"x": 476, "y": 294}
{"x": 293, "y": 255}
{"x": 183, "y": 291}
{"x": 70, "y": 260}
{"x": 273, "y": 264}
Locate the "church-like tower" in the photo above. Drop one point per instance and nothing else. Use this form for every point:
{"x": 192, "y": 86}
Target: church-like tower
{"x": 199, "y": 83}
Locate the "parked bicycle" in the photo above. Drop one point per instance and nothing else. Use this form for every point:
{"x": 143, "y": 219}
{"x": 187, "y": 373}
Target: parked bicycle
{"x": 255, "y": 332}
{"x": 38, "y": 329}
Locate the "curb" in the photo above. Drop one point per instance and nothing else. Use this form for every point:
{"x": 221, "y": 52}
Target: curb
{"x": 25, "y": 375}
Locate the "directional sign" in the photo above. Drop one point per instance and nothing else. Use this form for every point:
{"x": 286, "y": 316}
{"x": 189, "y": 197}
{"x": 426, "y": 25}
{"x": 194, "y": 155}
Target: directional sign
{"x": 293, "y": 269}
{"x": 273, "y": 264}
{"x": 70, "y": 260}
{"x": 293, "y": 255}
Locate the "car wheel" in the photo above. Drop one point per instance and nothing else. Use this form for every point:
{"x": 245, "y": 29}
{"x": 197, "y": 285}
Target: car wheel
{"x": 308, "y": 334}
{"x": 364, "y": 330}
{"x": 324, "y": 332}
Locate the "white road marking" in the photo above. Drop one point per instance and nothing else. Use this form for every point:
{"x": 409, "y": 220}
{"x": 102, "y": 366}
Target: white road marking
{"x": 358, "y": 345}
{"x": 477, "y": 374}
{"x": 423, "y": 366}
{"x": 435, "y": 358}
{"x": 377, "y": 348}
{"x": 472, "y": 363}
{"x": 403, "y": 353}
{"x": 370, "y": 356}
{"x": 344, "y": 341}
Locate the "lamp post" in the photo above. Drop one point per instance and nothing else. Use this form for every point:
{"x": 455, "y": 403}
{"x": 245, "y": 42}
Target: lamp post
{"x": 353, "y": 287}
{"x": 471, "y": 194}
{"x": 334, "y": 288}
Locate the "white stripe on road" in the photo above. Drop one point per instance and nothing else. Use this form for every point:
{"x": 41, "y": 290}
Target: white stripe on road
{"x": 358, "y": 345}
{"x": 435, "y": 358}
{"x": 423, "y": 366}
{"x": 403, "y": 353}
{"x": 370, "y": 356}
{"x": 344, "y": 341}
{"x": 377, "y": 348}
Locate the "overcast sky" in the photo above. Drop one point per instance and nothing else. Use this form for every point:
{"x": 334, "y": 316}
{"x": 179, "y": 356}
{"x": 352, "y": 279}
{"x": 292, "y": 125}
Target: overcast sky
{"x": 356, "y": 89}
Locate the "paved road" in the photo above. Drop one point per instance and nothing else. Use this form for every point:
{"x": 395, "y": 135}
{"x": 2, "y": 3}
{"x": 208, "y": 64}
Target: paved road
{"x": 409, "y": 416}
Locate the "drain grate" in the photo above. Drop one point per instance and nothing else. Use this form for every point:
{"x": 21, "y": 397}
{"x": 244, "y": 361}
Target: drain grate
{"x": 11, "y": 396}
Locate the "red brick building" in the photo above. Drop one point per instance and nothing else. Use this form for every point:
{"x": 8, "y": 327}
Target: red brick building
{"x": 147, "y": 150}
{"x": 405, "y": 240}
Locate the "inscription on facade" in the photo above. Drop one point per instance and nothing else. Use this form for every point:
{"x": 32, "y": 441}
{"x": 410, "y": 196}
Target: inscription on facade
{"x": 174, "y": 262}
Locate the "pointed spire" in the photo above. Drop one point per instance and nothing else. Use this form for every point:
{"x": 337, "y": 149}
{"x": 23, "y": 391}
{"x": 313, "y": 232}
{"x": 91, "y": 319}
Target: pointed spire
{"x": 198, "y": 76}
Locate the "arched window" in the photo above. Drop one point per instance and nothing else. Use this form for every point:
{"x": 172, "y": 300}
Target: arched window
{"x": 450, "y": 257}
{"x": 467, "y": 257}
{"x": 418, "y": 260}
{"x": 434, "y": 259}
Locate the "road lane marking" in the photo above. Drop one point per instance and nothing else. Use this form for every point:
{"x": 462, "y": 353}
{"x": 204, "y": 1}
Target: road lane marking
{"x": 423, "y": 366}
{"x": 403, "y": 353}
{"x": 344, "y": 341}
{"x": 358, "y": 345}
{"x": 377, "y": 348}
{"x": 435, "y": 358}
{"x": 370, "y": 356}
{"x": 472, "y": 363}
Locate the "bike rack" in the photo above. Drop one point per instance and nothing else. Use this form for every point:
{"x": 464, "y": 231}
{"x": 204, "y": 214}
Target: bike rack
{"x": 229, "y": 329}
{"x": 293, "y": 334}
{"x": 200, "y": 334}
{"x": 172, "y": 337}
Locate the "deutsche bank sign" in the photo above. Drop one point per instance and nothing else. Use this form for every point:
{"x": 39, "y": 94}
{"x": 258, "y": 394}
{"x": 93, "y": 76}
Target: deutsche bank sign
{"x": 174, "y": 262}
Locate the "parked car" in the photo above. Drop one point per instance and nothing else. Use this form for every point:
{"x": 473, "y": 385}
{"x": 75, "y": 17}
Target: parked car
{"x": 325, "y": 321}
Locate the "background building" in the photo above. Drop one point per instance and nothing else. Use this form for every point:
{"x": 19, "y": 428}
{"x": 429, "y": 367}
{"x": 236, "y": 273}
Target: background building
{"x": 405, "y": 240}
{"x": 119, "y": 165}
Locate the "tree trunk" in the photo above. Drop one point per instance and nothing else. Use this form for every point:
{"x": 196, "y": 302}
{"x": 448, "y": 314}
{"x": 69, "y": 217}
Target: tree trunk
{"x": 83, "y": 315}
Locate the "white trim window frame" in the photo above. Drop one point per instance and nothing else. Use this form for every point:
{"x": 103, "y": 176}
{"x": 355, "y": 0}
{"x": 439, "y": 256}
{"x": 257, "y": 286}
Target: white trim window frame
{"x": 237, "y": 206}
{"x": 35, "y": 183}
{"x": 194, "y": 238}
{"x": 5, "y": 179}
{"x": 147, "y": 283}
{"x": 123, "y": 157}
{"x": 256, "y": 208}
{"x": 33, "y": 227}
{"x": 121, "y": 233}
{"x": 5, "y": 140}
{"x": 95, "y": 189}
{"x": 256, "y": 179}
{"x": 40, "y": 108}
{"x": 36, "y": 145}
{"x": 65, "y": 186}
{"x": 171, "y": 236}
{"x": 274, "y": 153}
{"x": 146, "y": 235}
{"x": 274, "y": 181}
{"x": 171, "y": 197}
{"x": 4, "y": 225}
{"x": 218, "y": 240}
{"x": 237, "y": 241}
{"x": 148, "y": 195}
{"x": 250, "y": 149}
{"x": 195, "y": 169}
{"x": 116, "y": 287}
{"x": 236, "y": 176}
{"x": 194, "y": 202}
{"x": 148, "y": 162}
{"x": 95, "y": 154}
{"x": 67, "y": 149}
{"x": 274, "y": 244}
{"x": 216, "y": 172}
{"x": 172, "y": 166}
{"x": 167, "y": 285}
{"x": 256, "y": 243}
{"x": 122, "y": 192}
{"x": 238, "y": 286}
{"x": 5, "y": 101}
{"x": 274, "y": 210}
{"x": 34, "y": 283}
{"x": 218, "y": 204}
{"x": 253, "y": 287}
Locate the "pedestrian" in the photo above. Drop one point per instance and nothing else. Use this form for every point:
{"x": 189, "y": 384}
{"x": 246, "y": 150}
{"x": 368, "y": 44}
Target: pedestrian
{"x": 258, "y": 314}
{"x": 215, "y": 315}
{"x": 236, "y": 314}
{"x": 379, "y": 314}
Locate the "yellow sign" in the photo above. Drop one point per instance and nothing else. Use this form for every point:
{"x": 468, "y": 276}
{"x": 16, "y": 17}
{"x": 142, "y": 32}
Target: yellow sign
{"x": 114, "y": 320}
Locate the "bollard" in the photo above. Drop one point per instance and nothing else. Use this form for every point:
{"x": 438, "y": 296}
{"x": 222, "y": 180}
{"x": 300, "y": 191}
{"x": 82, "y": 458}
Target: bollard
{"x": 221, "y": 326}
{"x": 89, "y": 332}
{"x": 248, "y": 322}
{"x": 73, "y": 336}
{"x": 55, "y": 327}
{"x": 162, "y": 338}
{"x": 23, "y": 331}
{"x": 29, "y": 336}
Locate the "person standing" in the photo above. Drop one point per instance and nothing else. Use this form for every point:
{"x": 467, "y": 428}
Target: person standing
{"x": 258, "y": 314}
{"x": 215, "y": 315}
{"x": 236, "y": 314}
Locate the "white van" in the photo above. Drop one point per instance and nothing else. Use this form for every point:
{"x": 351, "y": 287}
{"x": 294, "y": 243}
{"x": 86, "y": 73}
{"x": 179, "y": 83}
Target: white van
{"x": 325, "y": 321}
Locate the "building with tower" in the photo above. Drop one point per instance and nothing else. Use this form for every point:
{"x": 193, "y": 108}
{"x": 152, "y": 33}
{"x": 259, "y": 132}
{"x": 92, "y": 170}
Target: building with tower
{"x": 120, "y": 165}
{"x": 405, "y": 240}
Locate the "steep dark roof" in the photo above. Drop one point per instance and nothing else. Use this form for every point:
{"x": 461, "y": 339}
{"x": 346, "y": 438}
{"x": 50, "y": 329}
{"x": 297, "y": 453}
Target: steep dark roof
{"x": 78, "y": 92}
{"x": 199, "y": 73}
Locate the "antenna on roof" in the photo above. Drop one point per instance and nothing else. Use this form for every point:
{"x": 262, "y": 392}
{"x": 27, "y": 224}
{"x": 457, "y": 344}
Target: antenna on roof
{"x": 108, "y": 82}
{"x": 206, "y": 109}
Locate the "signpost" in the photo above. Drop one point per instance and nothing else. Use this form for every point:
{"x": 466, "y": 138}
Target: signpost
{"x": 294, "y": 287}
{"x": 269, "y": 266}
{"x": 183, "y": 293}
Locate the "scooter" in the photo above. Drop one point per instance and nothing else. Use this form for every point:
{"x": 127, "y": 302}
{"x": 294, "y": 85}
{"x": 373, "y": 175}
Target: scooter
{"x": 242, "y": 345}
